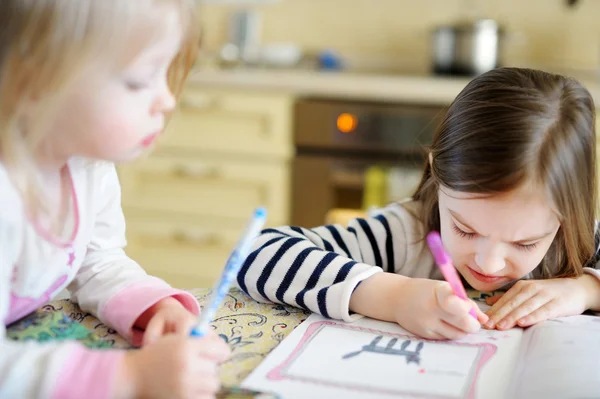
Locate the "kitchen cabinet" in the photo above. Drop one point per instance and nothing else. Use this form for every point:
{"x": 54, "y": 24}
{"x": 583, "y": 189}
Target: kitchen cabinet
{"x": 224, "y": 153}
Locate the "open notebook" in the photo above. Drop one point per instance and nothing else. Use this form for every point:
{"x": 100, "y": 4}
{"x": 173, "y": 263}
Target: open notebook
{"x": 324, "y": 358}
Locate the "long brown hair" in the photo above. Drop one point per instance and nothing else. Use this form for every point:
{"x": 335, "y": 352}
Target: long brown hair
{"x": 511, "y": 126}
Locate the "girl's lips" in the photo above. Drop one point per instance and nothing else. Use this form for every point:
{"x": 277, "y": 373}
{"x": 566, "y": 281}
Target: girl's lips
{"x": 147, "y": 142}
{"x": 484, "y": 277}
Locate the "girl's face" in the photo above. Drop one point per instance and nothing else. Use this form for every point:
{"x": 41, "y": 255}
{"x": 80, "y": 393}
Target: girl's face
{"x": 496, "y": 240}
{"x": 112, "y": 113}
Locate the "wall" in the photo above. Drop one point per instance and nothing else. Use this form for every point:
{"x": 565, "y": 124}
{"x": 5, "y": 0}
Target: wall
{"x": 394, "y": 34}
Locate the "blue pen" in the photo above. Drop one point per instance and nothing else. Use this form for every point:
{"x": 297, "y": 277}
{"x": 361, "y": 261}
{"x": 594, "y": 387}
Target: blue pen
{"x": 232, "y": 267}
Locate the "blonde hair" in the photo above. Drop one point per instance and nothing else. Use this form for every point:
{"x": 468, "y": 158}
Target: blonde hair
{"x": 510, "y": 127}
{"x": 44, "y": 45}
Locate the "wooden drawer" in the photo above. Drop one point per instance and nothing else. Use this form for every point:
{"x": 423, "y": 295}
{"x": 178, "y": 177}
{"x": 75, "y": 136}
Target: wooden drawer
{"x": 208, "y": 186}
{"x": 186, "y": 252}
{"x": 226, "y": 121}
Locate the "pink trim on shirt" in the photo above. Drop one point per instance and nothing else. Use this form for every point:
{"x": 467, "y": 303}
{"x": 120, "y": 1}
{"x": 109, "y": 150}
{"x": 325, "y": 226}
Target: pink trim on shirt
{"x": 88, "y": 374}
{"x": 22, "y": 306}
{"x": 47, "y": 235}
{"x": 123, "y": 309}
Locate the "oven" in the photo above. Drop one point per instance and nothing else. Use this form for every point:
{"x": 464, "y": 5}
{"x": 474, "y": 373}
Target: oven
{"x": 345, "y": 148}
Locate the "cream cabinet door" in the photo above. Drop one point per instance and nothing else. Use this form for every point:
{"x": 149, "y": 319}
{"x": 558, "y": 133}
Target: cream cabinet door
{"x": 208, "y": 186}
{"x": 239, "y": 122}
{"x": 187, "y": 252}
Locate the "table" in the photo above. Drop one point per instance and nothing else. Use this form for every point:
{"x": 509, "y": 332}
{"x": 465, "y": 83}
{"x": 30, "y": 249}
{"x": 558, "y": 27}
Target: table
{"x": 251, "y": 329}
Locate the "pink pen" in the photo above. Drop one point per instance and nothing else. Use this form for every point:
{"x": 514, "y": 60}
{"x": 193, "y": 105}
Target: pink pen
{"x": 445, "y": 264}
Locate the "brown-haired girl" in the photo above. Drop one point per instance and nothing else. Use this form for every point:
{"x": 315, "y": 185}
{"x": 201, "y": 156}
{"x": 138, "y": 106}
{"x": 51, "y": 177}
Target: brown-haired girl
{"x": 510, "y": 182}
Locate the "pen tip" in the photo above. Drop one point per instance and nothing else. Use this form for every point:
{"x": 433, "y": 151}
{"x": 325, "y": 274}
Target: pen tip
{"x": 260, "y": 212}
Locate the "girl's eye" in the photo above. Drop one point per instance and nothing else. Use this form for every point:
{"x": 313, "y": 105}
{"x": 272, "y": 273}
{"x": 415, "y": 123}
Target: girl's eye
{"x": 135, "y": 86}
{"x": 526, "y": 247}
{"x": 462, "y": 233}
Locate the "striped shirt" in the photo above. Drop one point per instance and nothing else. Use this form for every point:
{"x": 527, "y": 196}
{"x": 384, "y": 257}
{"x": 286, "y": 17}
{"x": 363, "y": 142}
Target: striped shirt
{"x": 318, "y": 269}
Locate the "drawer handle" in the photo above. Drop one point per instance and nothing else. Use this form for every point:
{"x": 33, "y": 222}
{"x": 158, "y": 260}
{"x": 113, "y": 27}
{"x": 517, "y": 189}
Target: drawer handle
{"x": 197, "y": 102}
{"x": 191, "y": 237}
{"x": 196, "y": 171}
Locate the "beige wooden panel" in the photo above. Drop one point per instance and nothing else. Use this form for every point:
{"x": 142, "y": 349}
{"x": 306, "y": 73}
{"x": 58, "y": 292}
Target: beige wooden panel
{"x": 209, "y": 186}
{"x": 224, "y": 121}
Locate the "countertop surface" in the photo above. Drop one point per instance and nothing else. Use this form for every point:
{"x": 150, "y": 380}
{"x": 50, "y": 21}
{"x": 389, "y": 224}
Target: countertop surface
{"x": 423, "y": 89}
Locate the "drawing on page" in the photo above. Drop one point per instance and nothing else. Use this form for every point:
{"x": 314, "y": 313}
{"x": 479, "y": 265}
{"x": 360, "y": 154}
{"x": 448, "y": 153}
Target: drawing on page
{"x": 411, "y": 356}
{"x": 340, "y": 356}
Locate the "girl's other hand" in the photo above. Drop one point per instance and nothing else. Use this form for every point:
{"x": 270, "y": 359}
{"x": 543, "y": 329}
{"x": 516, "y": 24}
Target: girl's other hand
{"x": 174, "y": 366}
{"x": 529, "y": 302}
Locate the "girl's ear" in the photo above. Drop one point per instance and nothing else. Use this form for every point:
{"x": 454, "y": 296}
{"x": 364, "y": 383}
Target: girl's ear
{"x": 430, "y": 159}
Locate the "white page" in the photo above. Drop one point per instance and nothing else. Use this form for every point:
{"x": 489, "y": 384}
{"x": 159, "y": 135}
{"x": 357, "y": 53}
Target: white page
{"x": 310, "y": 363}
{"x": 561, "y": 359}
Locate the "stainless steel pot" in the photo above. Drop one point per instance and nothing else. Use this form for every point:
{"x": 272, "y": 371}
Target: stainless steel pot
{"x": 467, "y": 48}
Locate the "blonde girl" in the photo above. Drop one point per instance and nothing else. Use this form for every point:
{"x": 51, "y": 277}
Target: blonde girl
{"x": 85, "y": 84}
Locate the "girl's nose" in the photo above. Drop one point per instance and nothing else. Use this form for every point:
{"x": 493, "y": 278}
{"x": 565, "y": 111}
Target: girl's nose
{"x": 490, "y": 259}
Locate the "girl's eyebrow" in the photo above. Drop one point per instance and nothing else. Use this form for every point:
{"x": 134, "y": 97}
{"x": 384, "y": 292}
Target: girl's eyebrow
{"x": 460, "y": 219}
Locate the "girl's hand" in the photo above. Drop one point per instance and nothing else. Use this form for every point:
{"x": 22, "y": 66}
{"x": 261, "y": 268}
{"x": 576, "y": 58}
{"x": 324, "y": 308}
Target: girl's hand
{"x": 167, "y": 316}
{"x": 430, "y": 309}
{"x": 175, "y": 366}
{"x": 531, "y": 301}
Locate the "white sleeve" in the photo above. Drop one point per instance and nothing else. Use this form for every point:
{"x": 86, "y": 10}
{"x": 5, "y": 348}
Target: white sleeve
{"x": 32, "y": 369}
{"x": 109, "y": 284}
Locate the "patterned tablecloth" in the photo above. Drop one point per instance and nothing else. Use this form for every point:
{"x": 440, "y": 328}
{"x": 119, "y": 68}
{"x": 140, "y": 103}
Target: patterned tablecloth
{"x": 250, "y": 328}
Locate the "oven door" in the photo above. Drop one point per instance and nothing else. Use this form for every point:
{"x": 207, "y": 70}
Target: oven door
{"x": 364, "y": 128}
{"x": 324, "y": 182}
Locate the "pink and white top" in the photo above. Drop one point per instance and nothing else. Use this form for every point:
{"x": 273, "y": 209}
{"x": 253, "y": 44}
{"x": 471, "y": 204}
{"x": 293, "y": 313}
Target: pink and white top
{"x": 91, "y": 263}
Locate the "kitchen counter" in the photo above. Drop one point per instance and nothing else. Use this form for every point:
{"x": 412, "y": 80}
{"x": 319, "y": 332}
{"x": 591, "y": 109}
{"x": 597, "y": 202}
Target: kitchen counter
{"x": 422, "y": 89}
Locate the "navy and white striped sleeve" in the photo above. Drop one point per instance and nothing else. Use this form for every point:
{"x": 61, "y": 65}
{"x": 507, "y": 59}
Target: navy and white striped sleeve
{"x": 318, "y": 269}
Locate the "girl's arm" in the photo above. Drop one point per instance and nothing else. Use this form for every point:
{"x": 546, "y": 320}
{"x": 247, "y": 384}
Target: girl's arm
{"x": 109, "y": 284}
{"x": 319, "y": 269}
{"x": 49, "y": 370}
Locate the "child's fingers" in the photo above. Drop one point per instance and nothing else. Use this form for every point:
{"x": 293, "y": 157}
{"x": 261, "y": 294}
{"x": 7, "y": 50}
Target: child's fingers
{"x": 214, "y": 349}
{"x": 154, "y": 329}
{"x": 510, "y": 301}
{"x": 428, "y": 333}
{"x": 464, "y": 322}
{"x": 544, "y": 312}
{"x": 457, "y": 313}
{"x": 526, "y": 308}
{"x": 452, "y": 304}
{"x": 184, "y": 324}
{"x": 449, "y": 331}
{"x": 205, "y": 367}
{"x": 206, "y": 378}
{"x": 447, "y": 301}
{"x": 482, "y": 318}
